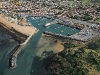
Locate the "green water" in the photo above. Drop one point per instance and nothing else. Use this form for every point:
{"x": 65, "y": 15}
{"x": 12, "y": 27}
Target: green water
{"x": 26, "y": 57}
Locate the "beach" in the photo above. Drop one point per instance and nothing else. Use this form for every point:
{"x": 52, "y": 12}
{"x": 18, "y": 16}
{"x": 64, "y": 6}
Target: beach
{"x": 26, "y": 30}
{"x": 59, "y": 47}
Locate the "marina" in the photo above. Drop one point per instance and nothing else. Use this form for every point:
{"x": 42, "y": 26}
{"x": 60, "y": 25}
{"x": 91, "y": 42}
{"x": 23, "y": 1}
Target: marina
{"x": 28, "y": 50}
{"x": 59, "y": 22}
{"x": 65, "y": 31}
{"x": 55, "y": 28}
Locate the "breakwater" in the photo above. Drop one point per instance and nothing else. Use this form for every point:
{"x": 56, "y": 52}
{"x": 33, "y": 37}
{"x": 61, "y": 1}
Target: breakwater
{"x": 17, "y": 50}
{"x": 66, "y": 37}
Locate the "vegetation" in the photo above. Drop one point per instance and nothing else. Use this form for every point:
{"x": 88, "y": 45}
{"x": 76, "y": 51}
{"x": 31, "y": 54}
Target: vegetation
{"x": 97, "y": 20}
{"x": 69, "y": 45}
{"x": 94, "y": 45}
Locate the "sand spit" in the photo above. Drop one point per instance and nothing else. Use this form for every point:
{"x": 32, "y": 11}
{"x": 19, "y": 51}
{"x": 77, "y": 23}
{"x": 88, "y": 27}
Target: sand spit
{"x": 59, "y": 47}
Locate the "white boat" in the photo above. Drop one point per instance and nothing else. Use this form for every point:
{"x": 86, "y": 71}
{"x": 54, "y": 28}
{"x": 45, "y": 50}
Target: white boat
{"x": 32, "y": 17}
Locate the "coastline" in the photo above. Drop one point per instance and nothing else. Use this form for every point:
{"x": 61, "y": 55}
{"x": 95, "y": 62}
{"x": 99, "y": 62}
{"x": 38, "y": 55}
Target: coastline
{"x": 19, "y": 33}
{"x": 26, "y": 30}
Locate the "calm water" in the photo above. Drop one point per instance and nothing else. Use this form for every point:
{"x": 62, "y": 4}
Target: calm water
{"x": 25, "y": 58}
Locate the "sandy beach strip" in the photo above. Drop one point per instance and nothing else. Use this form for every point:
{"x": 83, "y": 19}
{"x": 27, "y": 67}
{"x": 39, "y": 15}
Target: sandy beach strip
{"x": 26, "y": 30}
{"x": 59, "y": 47}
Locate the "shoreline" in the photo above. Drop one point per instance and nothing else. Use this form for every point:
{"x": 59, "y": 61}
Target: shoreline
{"x": 26, "y": 30}
{"x": 19, "y": 33}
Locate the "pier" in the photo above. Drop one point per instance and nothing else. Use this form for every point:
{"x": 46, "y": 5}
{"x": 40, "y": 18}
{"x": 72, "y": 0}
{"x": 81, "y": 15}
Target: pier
{"x": 17, "y": 50}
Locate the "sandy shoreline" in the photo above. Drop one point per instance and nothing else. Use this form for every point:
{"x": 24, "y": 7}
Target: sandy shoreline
{"x": 59, "y": 47}
{"x": 48, "y": 43}
{"x": 26, "y": 30}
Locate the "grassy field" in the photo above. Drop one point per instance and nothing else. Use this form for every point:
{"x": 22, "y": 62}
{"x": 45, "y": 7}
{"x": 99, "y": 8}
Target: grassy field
{"x": 67, "y": 2}
{"x": 97, "y": 20}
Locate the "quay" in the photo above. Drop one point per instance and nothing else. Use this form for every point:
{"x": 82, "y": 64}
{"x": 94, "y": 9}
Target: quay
{"x": 54, "y": 34}
{"x": 17, "y": 50}
{"x": 84, "y": 35}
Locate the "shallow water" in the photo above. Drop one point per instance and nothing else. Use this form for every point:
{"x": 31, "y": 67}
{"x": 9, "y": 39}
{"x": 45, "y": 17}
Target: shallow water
{"x": 25, "y": 58}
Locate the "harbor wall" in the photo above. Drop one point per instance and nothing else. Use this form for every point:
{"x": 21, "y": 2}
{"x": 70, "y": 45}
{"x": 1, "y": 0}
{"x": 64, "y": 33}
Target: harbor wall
{"x": 64, "y": 37}
{"x": 18, "y": 49}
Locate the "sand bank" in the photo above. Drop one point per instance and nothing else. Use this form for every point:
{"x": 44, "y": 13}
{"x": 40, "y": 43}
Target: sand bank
{"x": 47, "y": 44}
{"x": 27, "y": 30}
{"x": 59, "y": 47}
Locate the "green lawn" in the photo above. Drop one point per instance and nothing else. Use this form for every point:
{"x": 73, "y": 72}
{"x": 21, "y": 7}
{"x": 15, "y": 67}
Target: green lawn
{"x": 97, "y": 20}
{"x": 86, "y": 2}
{"x": 67, "y": 2}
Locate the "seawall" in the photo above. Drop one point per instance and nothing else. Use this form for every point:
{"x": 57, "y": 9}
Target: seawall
{"x": 17, "y": 51}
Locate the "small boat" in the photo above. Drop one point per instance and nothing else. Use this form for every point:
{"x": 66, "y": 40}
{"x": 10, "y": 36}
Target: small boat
{"x": 62, "y": 31}
{"x": 55, "y": 28}
{"x": 32, "y": 17}
{"x": 48, "y": 26}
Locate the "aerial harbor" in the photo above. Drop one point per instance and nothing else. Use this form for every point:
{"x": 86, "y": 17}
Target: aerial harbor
{"x": 49, "y": 37}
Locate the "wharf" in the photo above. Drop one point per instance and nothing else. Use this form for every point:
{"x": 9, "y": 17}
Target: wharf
{"x": 84, "y": 35}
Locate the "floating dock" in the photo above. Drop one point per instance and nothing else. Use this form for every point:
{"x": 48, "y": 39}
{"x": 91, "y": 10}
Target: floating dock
{"x": 51, "y": 23}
